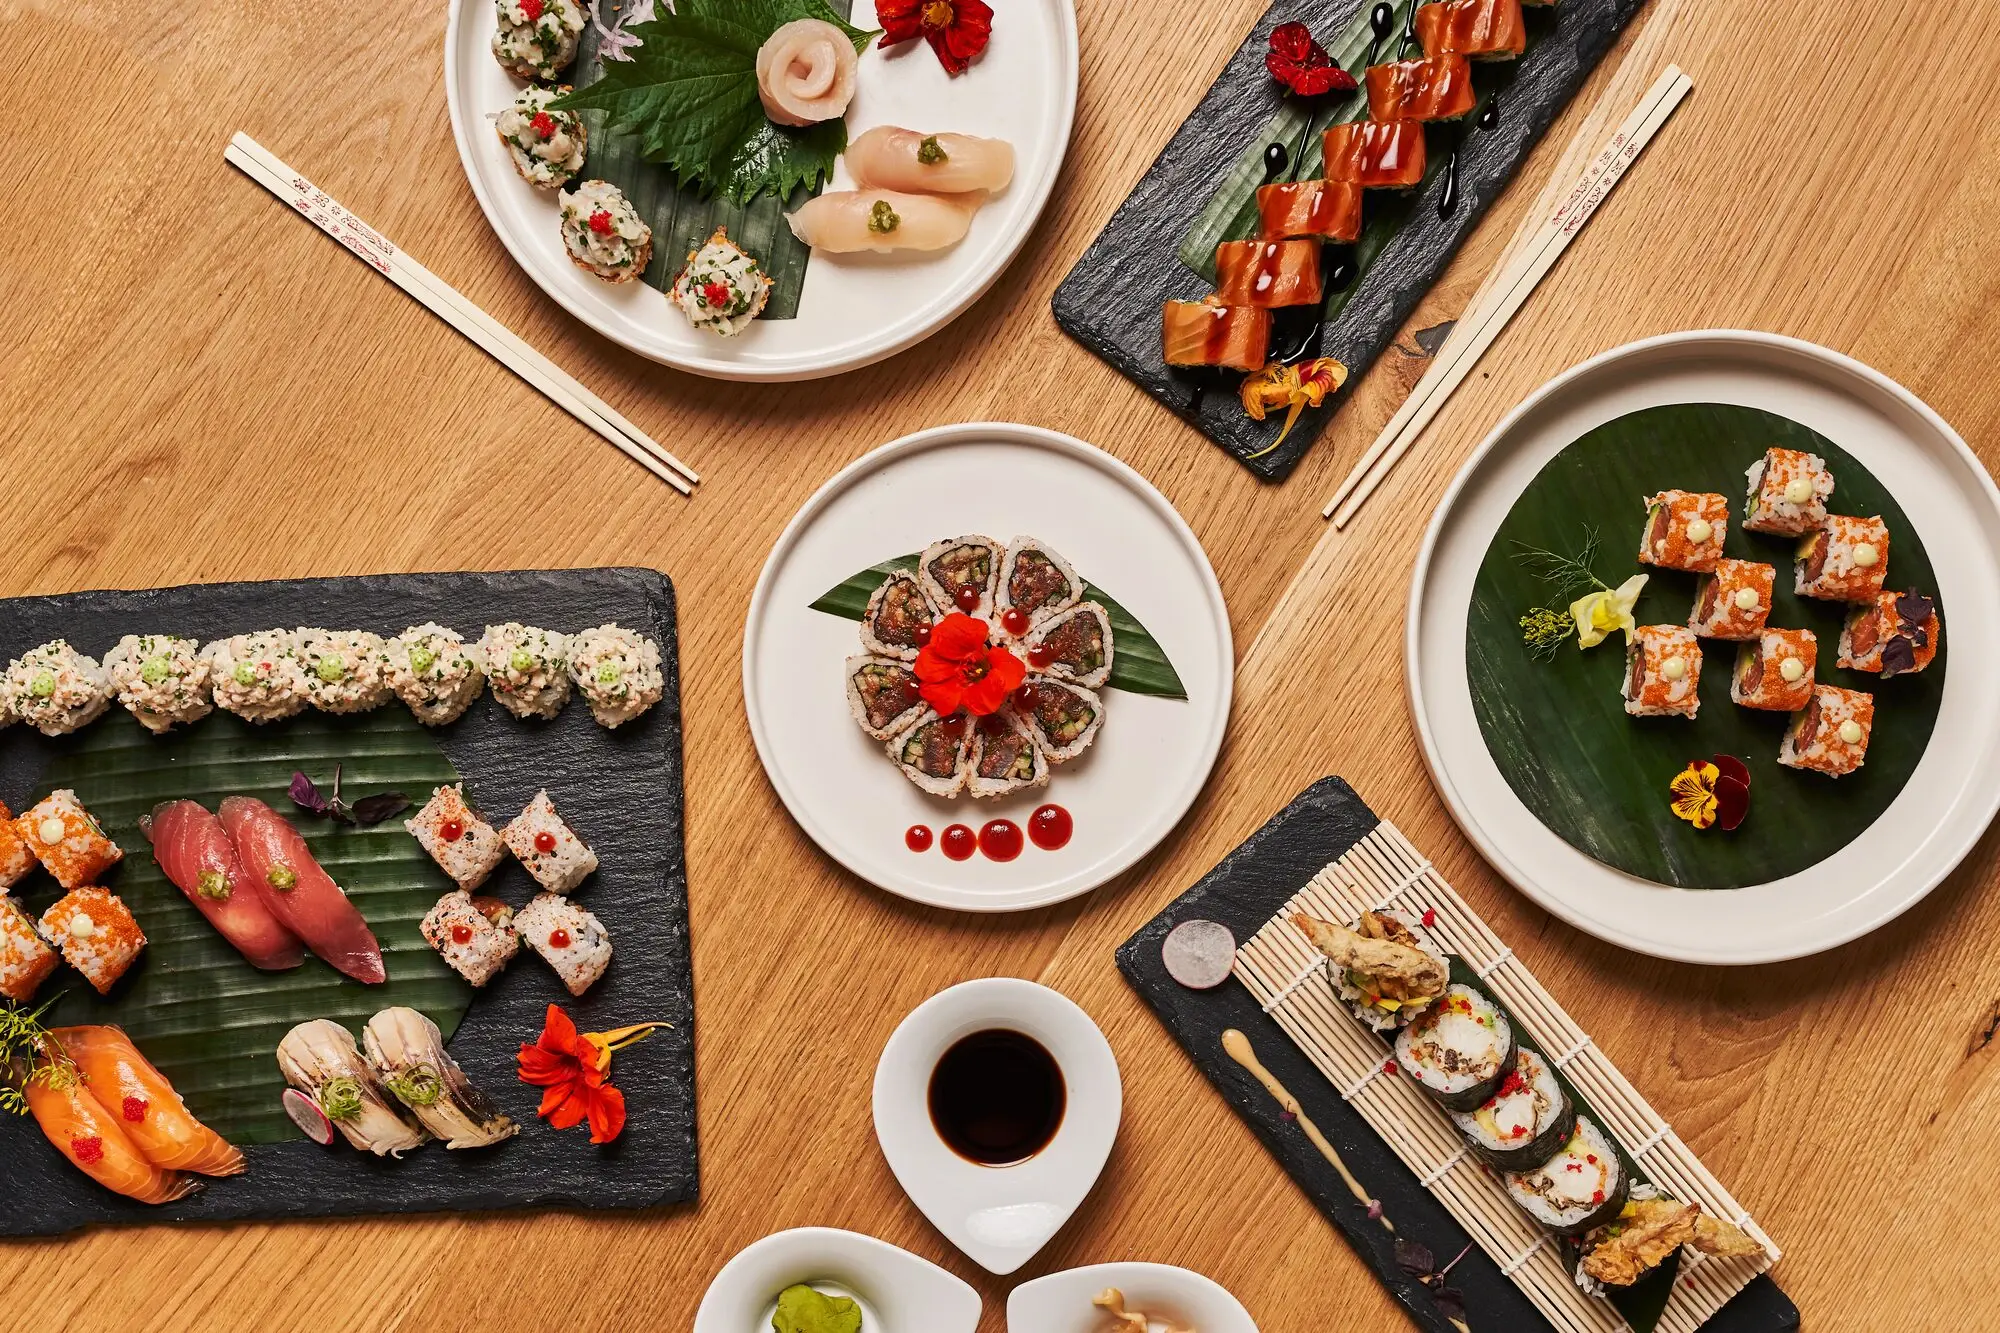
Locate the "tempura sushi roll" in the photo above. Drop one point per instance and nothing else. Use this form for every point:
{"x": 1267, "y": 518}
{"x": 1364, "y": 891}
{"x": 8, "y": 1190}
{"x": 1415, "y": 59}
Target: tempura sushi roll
{"x": 1328, "y": 210}
{"x": 934, "y": 752}
{"x": 883, "y": 694}
{"x": 1788, "y": 493}
{"x": 1526, "y": 1122}
{"x": 1846, "y": 560}
{"x": 25, "y": 959}
{"x": 1582, "y": 1186}
{"x": 58, "y": 690}
{"x": 1895, "y": 634}
{"x": 1061, "y": 715}
{"x": 257, "y": 676}
{"x": 161, "y": 680}
{"x": 1376, "y": 154}
{"x": 1684, "y": 530}
{"x": 476, "y": 936}
{"x": 1435, "y": 87}
{"x": 527, "y": 667}
{"x": 536, "y": 39}
{"x": 1267, "y": 274}
{"x": 1460, "y": 1050}
{"x": 1074, "y": 645}
{"x": 545, "y": 145}
{"x": 617, "y": 671}
{"x": 344, "y": 670}
{"x": 1774, "y": 672}
{"x": 569, "y": 939}
{"x": 548, "y": 847}
{"x": 1004, "y": 758}
{"x": 434, "y": 671}
{"x": 899, "y": 618}
{"x": 1663, "y": 672}
{"x": 961, "y": 574}
{"x": 1384, "y": 967}
{"x": 1476, "y": 29}
{"x": 1830, "y": 734}
{"x": 602, "y": 233}
{"x": 17, "y": 857}
{"x": 1734, "y": 601}
{"x": 67, "y": 839}
{"x": 463, "y": 844}
{"x": 96, "y": 933}
{"x": 1036, "y": 582}
{"x": 1208, "y": 333}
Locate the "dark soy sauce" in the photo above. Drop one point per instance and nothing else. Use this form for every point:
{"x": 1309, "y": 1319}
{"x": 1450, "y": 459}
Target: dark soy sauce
{"x": 1448, "y": 196}
{"x": 997, "y": 1097}
{"x": 1276, "y": 158}
{"x": 1489, "y": 115}
{"x": 1381, "y": 22}
{"x": 1409, "y": 30}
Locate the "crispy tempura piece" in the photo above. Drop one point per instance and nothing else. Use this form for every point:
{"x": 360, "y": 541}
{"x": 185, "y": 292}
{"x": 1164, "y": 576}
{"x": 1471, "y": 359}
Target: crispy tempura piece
{"x": 1399, "y": 970}
{"x": 1724, "y": 1240}
{"x": 1112, "y": 1302}
{"x": 1649, "y": 1231}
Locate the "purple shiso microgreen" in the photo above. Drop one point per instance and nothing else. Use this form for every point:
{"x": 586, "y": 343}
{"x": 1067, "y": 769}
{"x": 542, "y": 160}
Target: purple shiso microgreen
{"x": 306, "y": 796}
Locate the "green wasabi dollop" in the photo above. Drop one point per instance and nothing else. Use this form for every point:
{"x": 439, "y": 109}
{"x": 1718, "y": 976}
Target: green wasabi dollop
{"x": 882, "y": 219}
{"x": 213, "y": 885}
{"x": 608, "y": 673}
{"x": 930, "y": 152}
{"x": 243, "y": 674}
{"x": 422, "y": 660}
{"x": 155, "y": 670}
{"x": 284, "y": 879}
{"x": 521, "y": 660}
{"x": 43, "y": 685}
{"x": 803, "y": 1310}
{"x": 330, "y": 669}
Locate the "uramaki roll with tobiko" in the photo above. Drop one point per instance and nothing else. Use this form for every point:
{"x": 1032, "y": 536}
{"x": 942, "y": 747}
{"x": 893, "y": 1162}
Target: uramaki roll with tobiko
{"x": 1734, "y": 601}
{"x": 1526, "y": 1122}
{"x": 1684, "y": 530}
{"x": 1788, "y": 493}
{"x": 1830, "y": 734}
{"x": 1775, "y": 672}
{"x": 1663, "y": 672}
{"x": 1459, "y": 1050}
{"x": 934, "y": 752}
{"x": 1896, "y": 634}
{"x": 1583, "y": 1186}
{"x": 1846, "y": 560}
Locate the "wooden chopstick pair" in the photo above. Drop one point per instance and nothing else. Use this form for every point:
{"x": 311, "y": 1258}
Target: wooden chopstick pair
{"x": 1503, "y": 297}
{"x": 379, "y": 253}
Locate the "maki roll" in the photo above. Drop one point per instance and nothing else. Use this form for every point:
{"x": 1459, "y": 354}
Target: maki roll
{"x": 96, "y": 933}
{"x": 434, "y": 671}
{"x": 1374, "y": 154}
{"x": 1830, "y": 734}
{"x": 320, "y": 1059}
{"x": 1004, "y": 758}
{"x": 1459, "y": 1050}
{"x": 543, "y": 841}
{"x": 1734, "y": 601}
{"x": 883, "y": 694}
{"x": 1074, "y": 645}
{"x": 899, "y": 619}
{"x": 406, "y": 1051}
{"x": 1684, "y": 530}
{"x": 1649, "y": 1230}
{"x": 961, "y": 574}
{"x": 56, "y": 689}
{"x": 569, "y": 939}
{"x": 617, "y": 671}
{"x": 476, "y": 936}
{"x": 67, "y": 839}
{"x": 1476, "y": 29}
{"x": 344, "y": 669}
{"x": 536, "y": 39}
{"x": 17, "y": 857}
{"x": 25, "y": 960}
{"x": 257, "y": 676}
{"x": 1895, "y": 634}
{"x": 1436, "y": 87}
{"x": 545, "y": 145}
{"x": 1663, "y": 672}
{"x": 1062, "y": 717}
{"x": 528, "y": 668}
{"x": 1788, "y": 493}
{"x": 463, "y": 844}
{"x": 162, "y": 681}
{"x": 1036, "y": 582}
{"x": 1329, "y": 210}
{"x": 1526, "y": 1122}
{"x": 1846, "y": 560}
{"x": 934, "y": 752}
{"x": 1583, "y": 1185}
{"x": 1267, "y": 275}
{"x": 1208, "y": 333}
{"x": 1775, "y": 673}
{"x": 1383, "y": 968}
{"x": 603, "y": 234}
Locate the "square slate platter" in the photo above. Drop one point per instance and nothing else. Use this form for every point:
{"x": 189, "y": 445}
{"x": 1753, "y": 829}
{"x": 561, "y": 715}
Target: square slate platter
{"x": 1246, "y": 890}
{"x": 622, "y": 788}
{"x": 1111, "y": 300}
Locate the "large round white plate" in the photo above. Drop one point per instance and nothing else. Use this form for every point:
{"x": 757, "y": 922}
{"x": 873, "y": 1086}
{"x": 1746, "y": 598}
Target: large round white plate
{"x": 1150, "y": 759}
{"x": 1949, "y": 800}
{"x": 855, "y": 309}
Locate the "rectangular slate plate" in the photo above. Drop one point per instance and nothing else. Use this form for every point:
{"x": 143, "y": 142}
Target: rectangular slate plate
{"x": 1248, "y": 888}
{"x": 622, "y": 788}
{"x": 1111, "y": 300}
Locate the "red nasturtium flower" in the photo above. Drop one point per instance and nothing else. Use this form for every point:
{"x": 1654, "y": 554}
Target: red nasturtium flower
{"x": 574, "y": 1071}
{"x": 957, "y": 30}
{"x": 1302, "y": 64}
{"x": 958, "y": 670}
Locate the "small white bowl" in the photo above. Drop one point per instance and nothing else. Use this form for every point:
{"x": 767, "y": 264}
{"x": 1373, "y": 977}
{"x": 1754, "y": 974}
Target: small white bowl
{"x": 897, "y": 1291}
{"x": 999, "y": 1216}
{"x": 1061, "y": 1302}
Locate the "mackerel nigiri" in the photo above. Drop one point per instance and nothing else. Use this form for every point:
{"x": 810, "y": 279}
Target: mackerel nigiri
{"x": 91, "y": 1137}
{"x": 300, "y": 893}
{"x": 843, "y": 221}
{"x": 888, "y": 158}
{"x": 195, "y": 853}
{"x": 148, "y": 1109}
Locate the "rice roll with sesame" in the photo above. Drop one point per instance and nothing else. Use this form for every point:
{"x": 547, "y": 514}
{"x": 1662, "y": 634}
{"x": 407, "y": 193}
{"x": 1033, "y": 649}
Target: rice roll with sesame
{"x": 543, "y": 842}
{"x": 899, "y": 618}
{"x": 1775, "y": 671}
{"x": 475, "y": 936}
{"x": 934, "y": 752}
{"x": 536, "y": 39}
{"x": 1035, "y": 581}
{"x": 344, "y": 669}
{"x": 1384, "y": 968}
{"x": 1074, "y": 645}
{"x": 1734, "y": 601}
{"x": 25, "y": 958}
{"x": 257, "y": 676}
{"x": 961, "y": 574}
{"x": 1830, "y": 734}
{"x": 434, "y": 671}
{"x": 568, "y": 938}
{"x": 1684, "y": 530}
{"x": 1663, "y": 672}
{"x": 67, "y": 839}
{"x": 1846, "y": 560}
{"x": 603, "y": 233}
{"x": 161, "y": 680}
{"x": 457, "y": 837}
{"x": 883, "y": 694}
{"x": 1004, "y": 758}
{"x": 1583, "y": 1185}
{"x": 528, "y": 668}
{"x": 1788, "y": 493}
{"x": 618, "y": 673}
{"x": 545, "y": 145}
{"x": 58, "y": 690}
{"x": 17, "y": 857}
{"x": 96, "y": 933}
{"x": 1523, "y": 1124}
{"x": 1896, "y": 634}
{"x": 1459, "y": 1050}
{"x": 1063, "y": 716}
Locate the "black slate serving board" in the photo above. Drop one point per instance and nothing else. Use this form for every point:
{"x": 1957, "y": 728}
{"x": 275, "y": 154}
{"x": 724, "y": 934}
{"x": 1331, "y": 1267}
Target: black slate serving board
{"x": 1244, "y": 892}
{"x": 624, "y": 791}
{"x": 1111, "y": 300}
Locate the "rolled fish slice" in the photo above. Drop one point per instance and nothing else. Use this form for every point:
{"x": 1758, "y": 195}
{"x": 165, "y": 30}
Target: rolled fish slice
{"x": 407, "y": 1051}
{"x": 805, "y": 73}
{"x": 1477, "y": 29}
{"x": 849, "y": 221}
{"x": 1376, "y": 154}
{"x": 194, "y": 851}
{"x": 1330, "y": 210}
{"x": 92, "y": 1139}
{"x": 320, "y": 1059}
{"x": 891, "y": 158}
{"x": 148, "y": 1109}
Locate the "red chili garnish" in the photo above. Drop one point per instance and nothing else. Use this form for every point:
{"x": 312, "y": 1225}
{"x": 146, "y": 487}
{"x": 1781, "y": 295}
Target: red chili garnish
{"x": 717, "y": 295}
{"x": 1014, "y": 620}
{"x": 1302, "y": 64}
{"x": 957, "y": 30}
{"x": 559, "y": 938}
{"x": 958, "y": 670}
{"x": 600, "y": 222}
{"x": 532, "y": 10}
{"x": 1597, "y": 1196}
{"x": 1591, "y": 1158}
{"x": 545, "y": 841}
{"x": 543, "y": 124}
{"x": 89, "y": 1151}
{"x": 1388, "y": 1066}
{"x": 134, "y": 1109}
{"x": 1430, "y": 917}
{"x": 461, "y": 934}
{"x": 451, "y": 830}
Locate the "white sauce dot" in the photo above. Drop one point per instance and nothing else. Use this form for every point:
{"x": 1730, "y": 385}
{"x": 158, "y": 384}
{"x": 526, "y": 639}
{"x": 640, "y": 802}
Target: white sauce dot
{"x": 81, "y": 927}
{"x": 1865, "y": 556}
{"x": 1798, "y": 490}
{"x": 51, "y": 830}
{"x": 1746, "y": 599}
{"x": 1674, "y": 668}
{"x": 1850, "y": 731}
{"x": 1792, "y": 669}
{"x": 1700, "y": 530}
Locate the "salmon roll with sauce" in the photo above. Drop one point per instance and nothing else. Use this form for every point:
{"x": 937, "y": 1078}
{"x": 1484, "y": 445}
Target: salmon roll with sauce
{"x": 1734, "y": 601}
{"x": 1267, "y": 274}
{"x": 1847, "y": 560}
{"x": 1775, "y": 673}
{"x": 1431, "y": 88}
{"x": 1375, "y": 154}
{"x": 1788, "y": 493}
{"x": 96, "y": 933}
{"x": 68, "y": 840}
{"x": 1329, "y": 210}
{"x": 1896, "y": 634}
{"x": 1663, "y": 672}
{"x": 1207, "y": 333}
{"x": 1684, "y": 530}
{"x": 1475, "y": 29}
{"x": 1830, "y": 734}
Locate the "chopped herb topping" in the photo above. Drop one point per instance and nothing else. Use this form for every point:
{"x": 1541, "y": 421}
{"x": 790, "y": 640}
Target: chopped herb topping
{"x": 930, "y": 152}
{"x": 883, "y": 219}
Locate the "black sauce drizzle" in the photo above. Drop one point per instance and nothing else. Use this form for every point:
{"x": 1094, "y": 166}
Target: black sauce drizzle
{"x": 1382, "y": 22}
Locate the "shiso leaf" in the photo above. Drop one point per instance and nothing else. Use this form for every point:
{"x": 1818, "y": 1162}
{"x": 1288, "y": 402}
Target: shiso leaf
{"x": 804, "y": 1310}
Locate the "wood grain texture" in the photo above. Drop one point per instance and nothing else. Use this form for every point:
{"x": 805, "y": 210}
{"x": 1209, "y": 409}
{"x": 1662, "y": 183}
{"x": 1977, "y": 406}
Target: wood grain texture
{"x": 200, "y": 386}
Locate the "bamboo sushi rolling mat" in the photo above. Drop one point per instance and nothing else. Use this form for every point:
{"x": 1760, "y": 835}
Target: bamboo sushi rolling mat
{"x": 1288, "y": 977}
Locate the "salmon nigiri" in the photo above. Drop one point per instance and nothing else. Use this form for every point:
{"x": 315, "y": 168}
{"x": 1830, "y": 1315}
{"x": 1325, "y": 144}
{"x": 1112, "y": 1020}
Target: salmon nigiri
{"x": 93, "y": 1140}
{"x": 277, "y": 862}
{"x": 844, "y": 221}
{"x": 889, "y": 158}
{"x": 195, "y": 853}
{"x": 148, "y": 1109}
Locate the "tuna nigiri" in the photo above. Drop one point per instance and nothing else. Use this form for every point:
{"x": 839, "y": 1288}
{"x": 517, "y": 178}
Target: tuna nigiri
{"x": 299, "y": 892}
{"x": 889, "y": 158}
{"x": 149, "y": 1111}
{"x": 91, "y": 1137}
{"x": 195, "y": 853}
{"x": 844, "y": 221}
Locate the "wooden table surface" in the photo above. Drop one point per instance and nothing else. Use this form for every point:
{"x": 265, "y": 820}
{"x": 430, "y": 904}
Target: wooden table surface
{"x": 199, "y": 387}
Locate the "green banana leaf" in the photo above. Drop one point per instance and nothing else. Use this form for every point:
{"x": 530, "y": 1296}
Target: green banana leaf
{"x": 1557, "y": 729}
{"x": 1138, "y": 664}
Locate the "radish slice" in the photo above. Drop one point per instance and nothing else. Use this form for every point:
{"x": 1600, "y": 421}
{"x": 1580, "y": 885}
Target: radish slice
{"x": 1199, "y": 954}
{"x": 305, "y": 1113}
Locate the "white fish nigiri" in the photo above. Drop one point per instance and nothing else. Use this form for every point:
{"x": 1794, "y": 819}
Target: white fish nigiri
{"x": 805, "y": 73}
{"x": 890, "y": 158}
{"x": 850, "y": 220}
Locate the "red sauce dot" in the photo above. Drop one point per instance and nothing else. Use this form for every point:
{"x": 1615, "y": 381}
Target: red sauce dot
{"x": 545, "y": 841}
{"x": 1014, "y": 620}
{"x": 1000, "y": 840}
{"x": 967, "y": 599}
{"x": 918, "y": 838}
{"x": 461, "y": 934}
{"x": 559, "y": 938}
{"x": 1050, "y": 827}
{"x": 1041, "y": 657}
{"x": 1024, "y": 697}
{"x": 134, "y": 1109}
{"x": 923, "y": 636}
{"x": 958, "y": 842}
{"x": 451, "y": 830}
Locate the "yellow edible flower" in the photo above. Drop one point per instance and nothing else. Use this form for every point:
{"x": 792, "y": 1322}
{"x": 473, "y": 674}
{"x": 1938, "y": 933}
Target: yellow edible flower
{"x": 1605, "y": 610}
{"x": 1294, "y": 388}
{"x": 1694, "y": 794}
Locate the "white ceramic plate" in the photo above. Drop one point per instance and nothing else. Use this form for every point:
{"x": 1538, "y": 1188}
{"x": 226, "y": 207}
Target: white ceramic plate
{"x": 1949, "y": 800}
{"x": 897, "y": 1291}
{"x": 855, "y": 309}
{"x": 1061, "y": 1302}
{"x": 1152, "y": 755}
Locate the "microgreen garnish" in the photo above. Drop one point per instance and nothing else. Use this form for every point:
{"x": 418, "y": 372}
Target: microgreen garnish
{"x": 1546, "y": 629}
{"x": 28, "y": 1055}
{"x": 368, "y": 810}
{"x": 419, "y": 1085}
{"x": 1568, "y": 576}
{"x": 1416, "y": 1260}
{"x": 1595, "y": 607}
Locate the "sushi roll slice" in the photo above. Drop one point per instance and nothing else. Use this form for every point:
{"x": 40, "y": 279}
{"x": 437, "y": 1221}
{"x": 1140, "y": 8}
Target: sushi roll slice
{"x": 1583, "y": 1185}
{"x": 1460, "y": 1050}
{"x": 1437, "y": 87}
{"x": 67, "y": 839}
{"x": 1036, "y": 582}
{"x": 569, "y": 939}
{"x": 1074, "y": 645}
{"x": 537, "y": 39}
{"x": 721, "y": 288}
{"x": 1063, "y": 717}
{"x": 96, "y": 933}
{"x": 1684, "y": 530}
{"x": 343, "y": 669}
{"x": 457, "y": 837}
{"x": 161, "y": 680}
{"x": 545, "y": 843}
{"x": 58, "y": 690}
{"x": 603, "y": 234}
{"x": 618, "y": 673}
{"x": 528, "y": 668}
{"x": 1734, "y": 601}
{"x": 406, "y": 1051}
{"x": 434, "y": 671}
{"x": 1005, "y": 758}
{"x": 1663, "y": 672}
{"x": 10, "y": 713}
{"x": 1830, "y": 734}
{"x": 1895, "y": 634}
{"x": 1208, "y": 333}
{"x": 1476, "y": 29}
{"x": 899, "y": 619}
{"x": 545, "y": 145}
{"x": 320, "y": 1059}
{"x": 1267, "y": 274}
{"x": 1846, "y": 560}
{"x": 1775, "y": 671}
{"x": 883, "y": 694}
{"x": 1384, "y": 968}
{"x": 1328, "y": 210}
{"x": 1526, "y": 1122}
{"x": 1788, "y": 493}
{"x": 1375, "y": 154}
{"x": 961, "y": 574}
{"x": 934, "y": 752}
{"x": 25, "y": 960}
{"x": 257, "y": 676}
{"x": 17, "y": 855}
{"x": 476, "y": 936}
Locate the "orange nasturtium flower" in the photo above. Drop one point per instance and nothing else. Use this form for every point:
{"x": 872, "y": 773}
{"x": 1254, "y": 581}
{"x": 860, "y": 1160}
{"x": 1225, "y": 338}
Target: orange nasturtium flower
{"x": 1294, "y": 388}
{"x": 574, "y": 1071}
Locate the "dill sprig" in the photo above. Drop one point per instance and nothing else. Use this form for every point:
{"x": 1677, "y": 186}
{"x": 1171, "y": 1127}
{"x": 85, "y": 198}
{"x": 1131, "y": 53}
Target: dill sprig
{"x": 1545, "y": 630}
{"x": 28, "y": 1054}
{"x": 1569, "y": 576}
